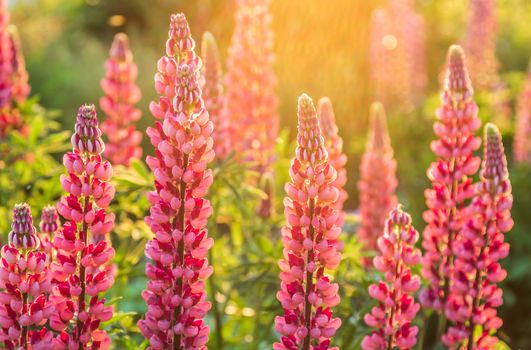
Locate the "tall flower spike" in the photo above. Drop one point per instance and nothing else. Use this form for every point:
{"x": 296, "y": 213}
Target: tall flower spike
{"x": 334, "y": 147}
{"x": 397, "y": 54}
{"x": 250, "y": 100}
{"x": 6, "y": 57}
{"x": 451, "y": 179}
{"x": 377, "y": 180}
{"x": 311, "y": 242}
{"x": 213, "y": 95}
{"x": 175, "y": 293}
{"x": 24, "y": 283}
{"x": 82, "y": 253}
{"x": 480, "y": 44}
{"x": 396, "y": 307}
{"x": 474, "y": 292}
{"x": 522, "y": 137}
{"x": 20, "y": 87}
{"x": 121, "y": 94}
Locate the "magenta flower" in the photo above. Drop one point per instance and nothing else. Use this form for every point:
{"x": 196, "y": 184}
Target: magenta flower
{"x": 334, "y": 147}
{"x": 175, "y": 294}
{"x": 82, "y": 252}
{"x": 250, "y": 100}
{"x": 398, "y": 53}
{"x": 522, "y": 137}
{"x": 121, "y": 94}
{"x": 213, "y": 95}
{"x": 451, "y": 179}
{"x": 396, "y": 307}
{"x": 311, "y": 242}
{"x": 24, "y": 282}
{"x": 377, "y": 180}
{"x": 480, "y": 44}
{"x": 474, "y": 294}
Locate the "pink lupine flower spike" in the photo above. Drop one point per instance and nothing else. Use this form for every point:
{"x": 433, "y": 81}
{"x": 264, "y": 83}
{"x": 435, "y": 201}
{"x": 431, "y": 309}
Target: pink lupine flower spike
{"x": 396, "y": 308}
{"x": 121, "y": 94}
{"x": 451, "y": 180}
{"x": 178, "y": 267}
{"x": 311, "y": 242}
{"x": 474, "y": 292}
{"x": 25, "y": 282}
{"x": 82, "y": 250}
{"x": 377, "y": 181}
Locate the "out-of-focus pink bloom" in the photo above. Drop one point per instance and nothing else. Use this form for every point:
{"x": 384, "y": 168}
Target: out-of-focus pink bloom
{"x": 451, "y": 179}
{"x": 82, "y": 253}
{"x": 311, "y": 242}
{"x": 377, "y": 180}
{"x": 474, "y": 294}
{"x": 480, "y": 44}
{"x": 175, "y": 294}
{"x": 121, "y": 94}
{"x": 398, "y": 53}
{"x": 334, "y": 147}
{"x": 522, "y": 137}
{"x": 250, "y": 101}
{"x": 24, "y": 282}
{"x": 396, "y": 307}
{"x": 6, "y": 57}
{"x": 10, "y": 118}
{"x": 20, "y": 87}
{"x": 212, "y": 88}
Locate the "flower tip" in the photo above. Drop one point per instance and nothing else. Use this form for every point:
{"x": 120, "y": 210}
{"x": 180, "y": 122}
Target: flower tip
{"x": 377, "y": 110}
{"x": 492, "y": 130}
{"x": 324, "y": 102}
{"x": 120, "y": 47}
{"x": 306, "y": 103}
{"x": 208, "y": 39}
{"x": 379, "y": 137}
{"x": 456, "y": 51}
{"x": 87, "y": 111}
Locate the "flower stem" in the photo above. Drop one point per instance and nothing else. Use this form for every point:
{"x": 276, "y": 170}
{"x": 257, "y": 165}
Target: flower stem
{"x": 180, "y": 250}
{"x": 82, "y": 273}
{"x": 309, "y": 282}
{"x": 215, "y": 306}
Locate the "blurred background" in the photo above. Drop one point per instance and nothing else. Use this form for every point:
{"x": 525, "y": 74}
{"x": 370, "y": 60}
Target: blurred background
{"x": 322, "y": 48}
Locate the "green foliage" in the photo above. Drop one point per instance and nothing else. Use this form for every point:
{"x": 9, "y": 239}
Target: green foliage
{"x": 29, "y": 171}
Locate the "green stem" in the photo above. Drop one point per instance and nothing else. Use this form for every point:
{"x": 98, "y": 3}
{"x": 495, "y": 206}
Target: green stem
{"x": 215, "y": 306}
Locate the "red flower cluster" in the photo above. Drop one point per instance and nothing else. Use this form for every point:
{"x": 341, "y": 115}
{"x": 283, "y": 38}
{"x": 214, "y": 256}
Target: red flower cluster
{"x": 474, "y": 294}
{"x": 378, "y": 180}
{"x": 451, "y": 179}
{"x": 396, "y": 307}
{"x": 311, "y": 242}
{"x": 121, "y": 94}
{"x": 175, "y": 293}
{"x": 82, "y": 253}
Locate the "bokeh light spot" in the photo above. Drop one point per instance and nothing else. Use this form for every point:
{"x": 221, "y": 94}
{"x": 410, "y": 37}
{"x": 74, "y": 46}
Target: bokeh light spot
{"x": 389, "y": 42}
{"x": 116, "y": 21}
